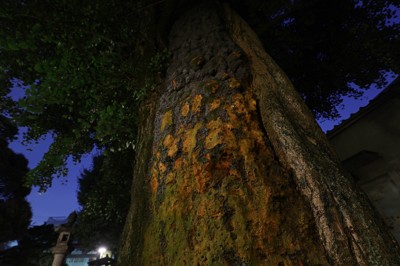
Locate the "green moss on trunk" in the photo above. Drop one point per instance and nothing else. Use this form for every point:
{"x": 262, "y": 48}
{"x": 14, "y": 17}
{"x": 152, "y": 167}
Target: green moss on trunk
{"x": 131, "y": 247}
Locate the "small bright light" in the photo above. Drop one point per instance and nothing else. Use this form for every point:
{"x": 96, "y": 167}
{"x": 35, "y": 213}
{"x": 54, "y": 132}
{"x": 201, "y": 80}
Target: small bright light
{"x": 102, "y": 250}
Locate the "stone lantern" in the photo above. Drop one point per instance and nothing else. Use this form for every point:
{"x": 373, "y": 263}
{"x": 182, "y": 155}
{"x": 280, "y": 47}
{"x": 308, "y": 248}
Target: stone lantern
{"x": 61, "y": 247}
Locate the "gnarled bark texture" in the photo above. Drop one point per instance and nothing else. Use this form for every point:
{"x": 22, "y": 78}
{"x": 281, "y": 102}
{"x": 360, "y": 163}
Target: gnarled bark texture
{"x": 234, "y": 170}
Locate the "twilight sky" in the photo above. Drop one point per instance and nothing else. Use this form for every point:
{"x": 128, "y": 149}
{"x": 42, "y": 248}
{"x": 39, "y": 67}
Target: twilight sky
{"x": 61, "y": 198}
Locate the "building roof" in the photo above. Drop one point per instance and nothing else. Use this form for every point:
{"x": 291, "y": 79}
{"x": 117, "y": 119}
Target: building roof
{"x": 391, "y": 91}
{"x": 57, "y": 220}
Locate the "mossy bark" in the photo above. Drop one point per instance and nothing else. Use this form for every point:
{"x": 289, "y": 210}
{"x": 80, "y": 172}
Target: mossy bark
{"x": 234, "y": 170}
{"x": 131, "y": 245}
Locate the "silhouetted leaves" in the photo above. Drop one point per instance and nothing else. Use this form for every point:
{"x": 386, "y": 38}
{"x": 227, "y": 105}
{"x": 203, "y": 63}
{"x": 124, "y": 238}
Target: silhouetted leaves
{"x": 34, "y": 249}
{"x": 104, "y": 194}
{"x": 15, "y": 211}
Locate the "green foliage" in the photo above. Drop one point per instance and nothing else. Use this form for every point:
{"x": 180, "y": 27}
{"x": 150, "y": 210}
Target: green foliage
{"x": 159, "y": 62}
{"x": 15, "y": 217}
{"x": 104, "y": 195}
{"x": 88, "y": 67}
{"x": 8, "y": 129}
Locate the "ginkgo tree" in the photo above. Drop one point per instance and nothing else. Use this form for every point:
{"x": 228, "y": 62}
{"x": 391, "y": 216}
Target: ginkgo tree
{"x": 230, "y": 168}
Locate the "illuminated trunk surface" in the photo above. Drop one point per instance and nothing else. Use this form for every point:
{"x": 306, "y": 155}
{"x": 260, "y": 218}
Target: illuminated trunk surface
{"x": 233, "y": 170}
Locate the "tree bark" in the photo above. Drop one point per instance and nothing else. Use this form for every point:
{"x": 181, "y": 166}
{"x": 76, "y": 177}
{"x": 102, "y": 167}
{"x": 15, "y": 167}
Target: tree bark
{"x": 232, "y": 168}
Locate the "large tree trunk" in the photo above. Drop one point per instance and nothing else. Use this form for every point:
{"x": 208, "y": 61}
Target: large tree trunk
{"x": 232, "y": 168}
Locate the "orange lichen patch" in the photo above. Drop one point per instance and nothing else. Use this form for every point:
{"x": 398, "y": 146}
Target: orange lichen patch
{"x": 233, "y": 172}
{"x": 185, "y": 109}
{"x": 166, "y": 120}
{"x": 252, "y": 105}
{"x": 168, "y": 140}
{"x": 212, "y": 85}
{"x": 154, "y": 183}
{"x": 229, "y": 137}
{"x": 230, "y": 111}
{"x": 261, "y": 222}
{"x": 238, "y": 103}
{"x": 220, "y": 132}
{"x": 196, "y": 103}
{"x": 229, "y": 126}
{"x": 238, "y": 97}
{"x": 170, "y": 178}
{"x": 162, "y": 167}
{"x": 173, "y": 149}
{"x": 190, "y": 141}
{"x": 201, "y": 179}
{"x": 215, "y": 104}
{"x": 171, "y": 144}
{"x": 184, "y": 187}
{"x": 178, "y": 163}
{"x": 203, "y": 175}
{"x": 257, "y": 134}
{"x": 233, "y": 83}
{"x": 181, "y": 130}
{"x": 214, "y": 129}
